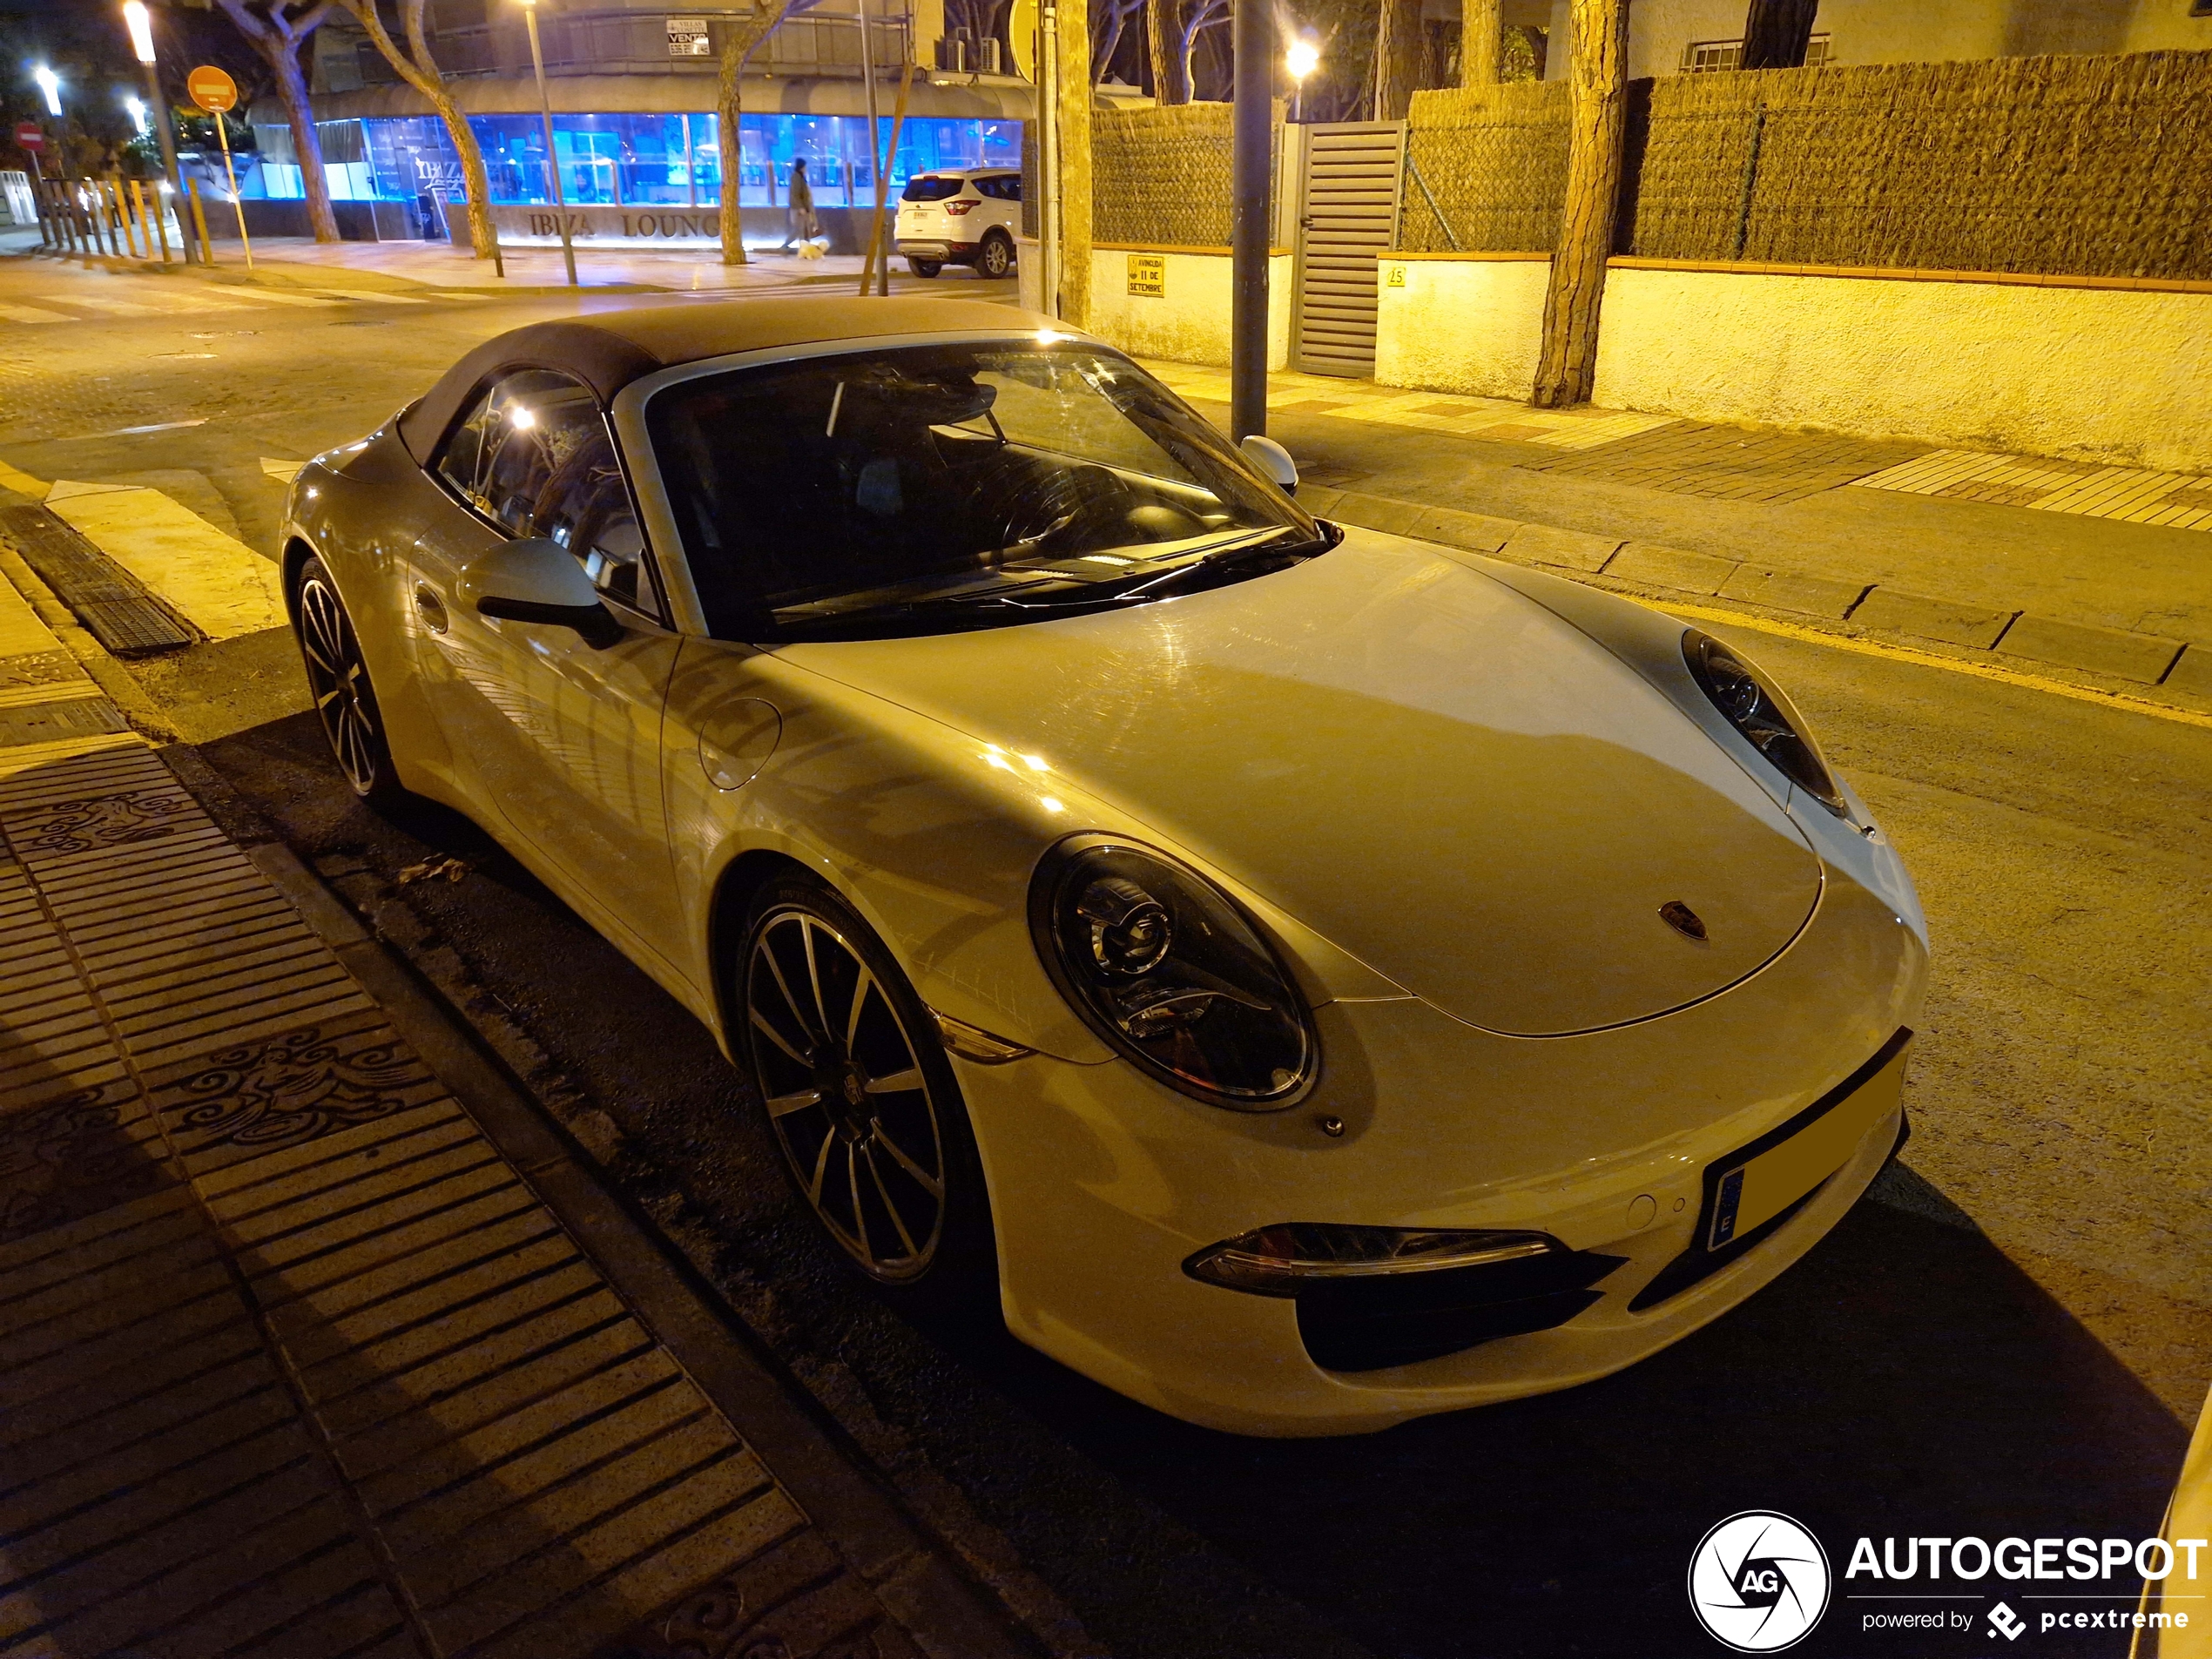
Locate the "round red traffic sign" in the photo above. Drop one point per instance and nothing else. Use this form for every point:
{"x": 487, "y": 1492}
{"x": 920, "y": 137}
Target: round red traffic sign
{"x": 30, "y": 136}
{"x": 211, "y": 89}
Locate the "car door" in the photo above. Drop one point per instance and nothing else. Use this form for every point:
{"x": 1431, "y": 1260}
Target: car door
{"x": 558, "y": 739}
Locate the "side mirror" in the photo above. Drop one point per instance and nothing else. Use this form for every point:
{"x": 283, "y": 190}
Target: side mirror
{"x": 535, "y": 580}
{"x": 1272, "y": 459}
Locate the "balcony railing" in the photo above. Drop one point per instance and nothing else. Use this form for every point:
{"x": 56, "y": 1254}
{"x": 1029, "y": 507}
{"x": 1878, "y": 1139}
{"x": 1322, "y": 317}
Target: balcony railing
{"x": 628, "y": 44}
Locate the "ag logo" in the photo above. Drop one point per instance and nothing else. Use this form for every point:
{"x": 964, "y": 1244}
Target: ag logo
{"x": 1758, "y": 1582}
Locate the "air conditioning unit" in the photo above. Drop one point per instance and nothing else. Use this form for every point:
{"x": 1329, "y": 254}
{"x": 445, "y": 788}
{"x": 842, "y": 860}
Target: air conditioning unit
{"x": 952, "y": 54}
{"x": 992, "y": 56}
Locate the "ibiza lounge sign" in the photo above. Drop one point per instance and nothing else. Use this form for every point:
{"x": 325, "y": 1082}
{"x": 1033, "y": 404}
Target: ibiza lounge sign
{"x": 610, "y": 227}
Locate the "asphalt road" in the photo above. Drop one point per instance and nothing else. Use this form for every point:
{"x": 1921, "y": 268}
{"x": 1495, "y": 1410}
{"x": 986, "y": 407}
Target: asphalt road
{"x": 2007, "y": 1339}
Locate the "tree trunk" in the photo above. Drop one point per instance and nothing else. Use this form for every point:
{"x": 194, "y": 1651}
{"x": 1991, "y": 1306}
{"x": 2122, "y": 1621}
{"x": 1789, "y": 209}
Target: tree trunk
{"x": 1597, "y": 117}
{"x": 483, "y": 238}
{"x": 1777, "y": 32}
{"x": 292, "y": 92}
{"x": 1164, "y": 39}
{"x": 729, "y": 105}
{"x": 1073, "y": 182}
{"x": 425, "y": 78}
{"x": 1398, "y": 40}
{"x": 1478, "y": 43}
{"x": 1539, "y": 40}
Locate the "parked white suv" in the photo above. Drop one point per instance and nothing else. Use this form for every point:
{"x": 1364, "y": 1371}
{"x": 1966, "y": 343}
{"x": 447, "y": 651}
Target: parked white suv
{"x": 961, "y": 216}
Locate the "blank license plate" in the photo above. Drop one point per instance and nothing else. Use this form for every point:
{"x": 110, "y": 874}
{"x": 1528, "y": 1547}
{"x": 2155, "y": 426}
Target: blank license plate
{"x": 1752, "y": 1192}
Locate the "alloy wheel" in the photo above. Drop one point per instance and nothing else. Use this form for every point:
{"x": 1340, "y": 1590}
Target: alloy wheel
{"x": 843, "y": 1081}
{"x": 996, "y": 258}
{"x": 339, "y": 680}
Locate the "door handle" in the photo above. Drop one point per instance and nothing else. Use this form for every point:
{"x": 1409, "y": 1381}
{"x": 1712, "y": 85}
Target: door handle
{"x": 430, "y": 608}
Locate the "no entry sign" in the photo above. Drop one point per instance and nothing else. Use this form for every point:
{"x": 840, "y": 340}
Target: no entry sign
{"x": 28, "y": 136}
{"x": 211, "y": 89}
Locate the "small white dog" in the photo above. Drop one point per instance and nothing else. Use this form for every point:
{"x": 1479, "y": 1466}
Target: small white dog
{"x": 812, "y": 249}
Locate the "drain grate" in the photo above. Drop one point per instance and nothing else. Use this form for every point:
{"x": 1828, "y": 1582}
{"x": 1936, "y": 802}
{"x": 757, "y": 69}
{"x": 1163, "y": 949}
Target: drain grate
{"x": 72, "y": 717}
{"x": 113, "y": 605}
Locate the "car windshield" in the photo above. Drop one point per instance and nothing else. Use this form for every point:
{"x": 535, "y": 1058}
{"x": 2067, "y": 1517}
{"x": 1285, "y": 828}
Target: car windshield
{"x": 928, "y": 488}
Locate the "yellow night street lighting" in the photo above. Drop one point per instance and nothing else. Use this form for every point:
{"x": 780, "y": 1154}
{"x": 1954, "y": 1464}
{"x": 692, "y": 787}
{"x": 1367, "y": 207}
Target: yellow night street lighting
{"x": 141, "y": 26}
{"x": 1301, "y": 58}
{"x": 50, "y": 84}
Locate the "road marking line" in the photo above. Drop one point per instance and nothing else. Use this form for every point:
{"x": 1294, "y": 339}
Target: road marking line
{"x": 22, "y": 482}
{"x": 371, "y": 297}
{"x": 283, "y": 471}
{"x": 2119, "y": 700}
{"x": 221, "y": 585}
{"x": 278, "y": 297}
{"x": 32, "y": 313}
{"x": 159, "y": 425}
{"x": 120, "y": 307}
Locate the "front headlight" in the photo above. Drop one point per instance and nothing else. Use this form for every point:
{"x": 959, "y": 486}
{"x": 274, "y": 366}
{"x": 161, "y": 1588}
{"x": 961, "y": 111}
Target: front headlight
{"x": 1756, "y": 706}
{"x": 1163, "y": 965}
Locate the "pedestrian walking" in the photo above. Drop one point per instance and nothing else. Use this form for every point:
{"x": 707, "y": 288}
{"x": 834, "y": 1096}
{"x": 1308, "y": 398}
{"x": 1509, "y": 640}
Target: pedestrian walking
{"x": 803, "y": 226}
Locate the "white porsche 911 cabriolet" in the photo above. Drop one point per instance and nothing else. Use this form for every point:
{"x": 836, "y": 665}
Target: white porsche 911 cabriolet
{"x": 1301, "y": 977}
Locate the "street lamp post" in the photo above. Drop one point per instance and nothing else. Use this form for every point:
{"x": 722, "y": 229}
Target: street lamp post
{"x": 50, "y": 84}
{"x": 1253, "y": 73}
{"x": 141, "y": 26}
{"x": 552, "y": 161}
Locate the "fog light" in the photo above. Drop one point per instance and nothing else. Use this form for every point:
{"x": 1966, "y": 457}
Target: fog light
{"x": 1289, "y": 1257}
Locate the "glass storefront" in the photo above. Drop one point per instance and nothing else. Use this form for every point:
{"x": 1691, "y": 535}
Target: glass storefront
{"x": 639, "y": 160}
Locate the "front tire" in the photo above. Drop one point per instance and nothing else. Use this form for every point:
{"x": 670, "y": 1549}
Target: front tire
{"x": 338, "y": 679}
{"x": 925, "y": 267}
{"x": 995, "y": 258}
{"x": 862, "y": 1102}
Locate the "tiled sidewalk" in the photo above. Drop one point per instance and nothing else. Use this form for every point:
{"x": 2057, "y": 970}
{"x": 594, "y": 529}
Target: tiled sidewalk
{"x": 292, "y": 1361}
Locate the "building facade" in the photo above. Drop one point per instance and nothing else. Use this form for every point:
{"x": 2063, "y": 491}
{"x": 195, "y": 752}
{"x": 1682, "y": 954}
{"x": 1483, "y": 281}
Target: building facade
{"x": 635, "y": 135}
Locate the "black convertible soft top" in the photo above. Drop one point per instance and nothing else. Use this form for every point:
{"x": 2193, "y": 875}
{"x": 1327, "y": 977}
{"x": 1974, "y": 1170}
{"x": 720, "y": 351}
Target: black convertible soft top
{"x": 609, "y": 351}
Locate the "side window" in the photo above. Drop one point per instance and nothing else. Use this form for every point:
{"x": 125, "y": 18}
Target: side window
{"x": 585, "y": 507}
{"x": 533, "y": 455}
{"x": 1010, "y": 187}
{"x": 513, "y": 439}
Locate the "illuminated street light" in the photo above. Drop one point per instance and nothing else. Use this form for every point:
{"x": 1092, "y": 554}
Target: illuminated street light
{"x": 1301, "y": 59}
{"x": 50, "y": 84}
{"x": 138, "y": 108}
{"x": 141, "y": 26}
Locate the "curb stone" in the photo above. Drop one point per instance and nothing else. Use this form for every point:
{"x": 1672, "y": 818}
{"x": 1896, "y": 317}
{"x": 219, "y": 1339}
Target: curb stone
{"x": 2116, "y": 653}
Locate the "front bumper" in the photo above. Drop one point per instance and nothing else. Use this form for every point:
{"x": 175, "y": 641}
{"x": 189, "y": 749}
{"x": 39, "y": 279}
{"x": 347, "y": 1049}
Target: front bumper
{"x": 1105, "y": 1184}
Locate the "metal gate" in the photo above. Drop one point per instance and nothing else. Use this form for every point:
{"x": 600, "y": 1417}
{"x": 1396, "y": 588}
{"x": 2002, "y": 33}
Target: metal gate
{"x": 1347, "y": 214}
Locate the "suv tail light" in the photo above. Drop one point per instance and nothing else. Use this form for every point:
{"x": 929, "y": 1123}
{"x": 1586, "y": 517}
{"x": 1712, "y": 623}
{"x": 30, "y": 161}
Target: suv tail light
{"x": 957, "y": 208}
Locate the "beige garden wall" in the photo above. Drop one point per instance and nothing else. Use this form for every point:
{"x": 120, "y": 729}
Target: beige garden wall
{"x": 2108, "y": 374}
{"x": 1459, "y": 323}
{"x": 2090, "y": 373}
{"x": 1188, "y": 320}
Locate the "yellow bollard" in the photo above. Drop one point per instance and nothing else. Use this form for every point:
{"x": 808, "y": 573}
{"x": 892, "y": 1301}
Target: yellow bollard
{"x": 199, "y": 222}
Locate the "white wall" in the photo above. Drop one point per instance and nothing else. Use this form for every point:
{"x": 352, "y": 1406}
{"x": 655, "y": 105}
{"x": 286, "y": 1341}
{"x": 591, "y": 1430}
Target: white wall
{"x": 1470, "y": 326}
{"x": 2084, "y": 374}
{"x": 1191, "y": 323}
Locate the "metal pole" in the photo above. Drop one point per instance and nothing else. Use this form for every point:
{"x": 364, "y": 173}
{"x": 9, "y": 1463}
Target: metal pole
{"x": 552, "y": 161}
{"x": 691, "y": 169}
{"x": 1250, "y": 47}
{"x": 877, "y": 159}
{"x": 222, "y": 132}
{"x": 1048, "y": 155}
{"x": 45, "y": 208}
{"x": 160, "y": 108}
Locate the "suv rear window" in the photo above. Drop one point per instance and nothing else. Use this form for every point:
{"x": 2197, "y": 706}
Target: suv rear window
{"x": 932, "y": 188}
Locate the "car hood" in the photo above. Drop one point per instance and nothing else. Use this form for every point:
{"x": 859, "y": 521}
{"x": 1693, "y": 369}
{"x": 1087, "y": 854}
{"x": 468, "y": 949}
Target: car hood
{"x": 1435, "y": 773}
